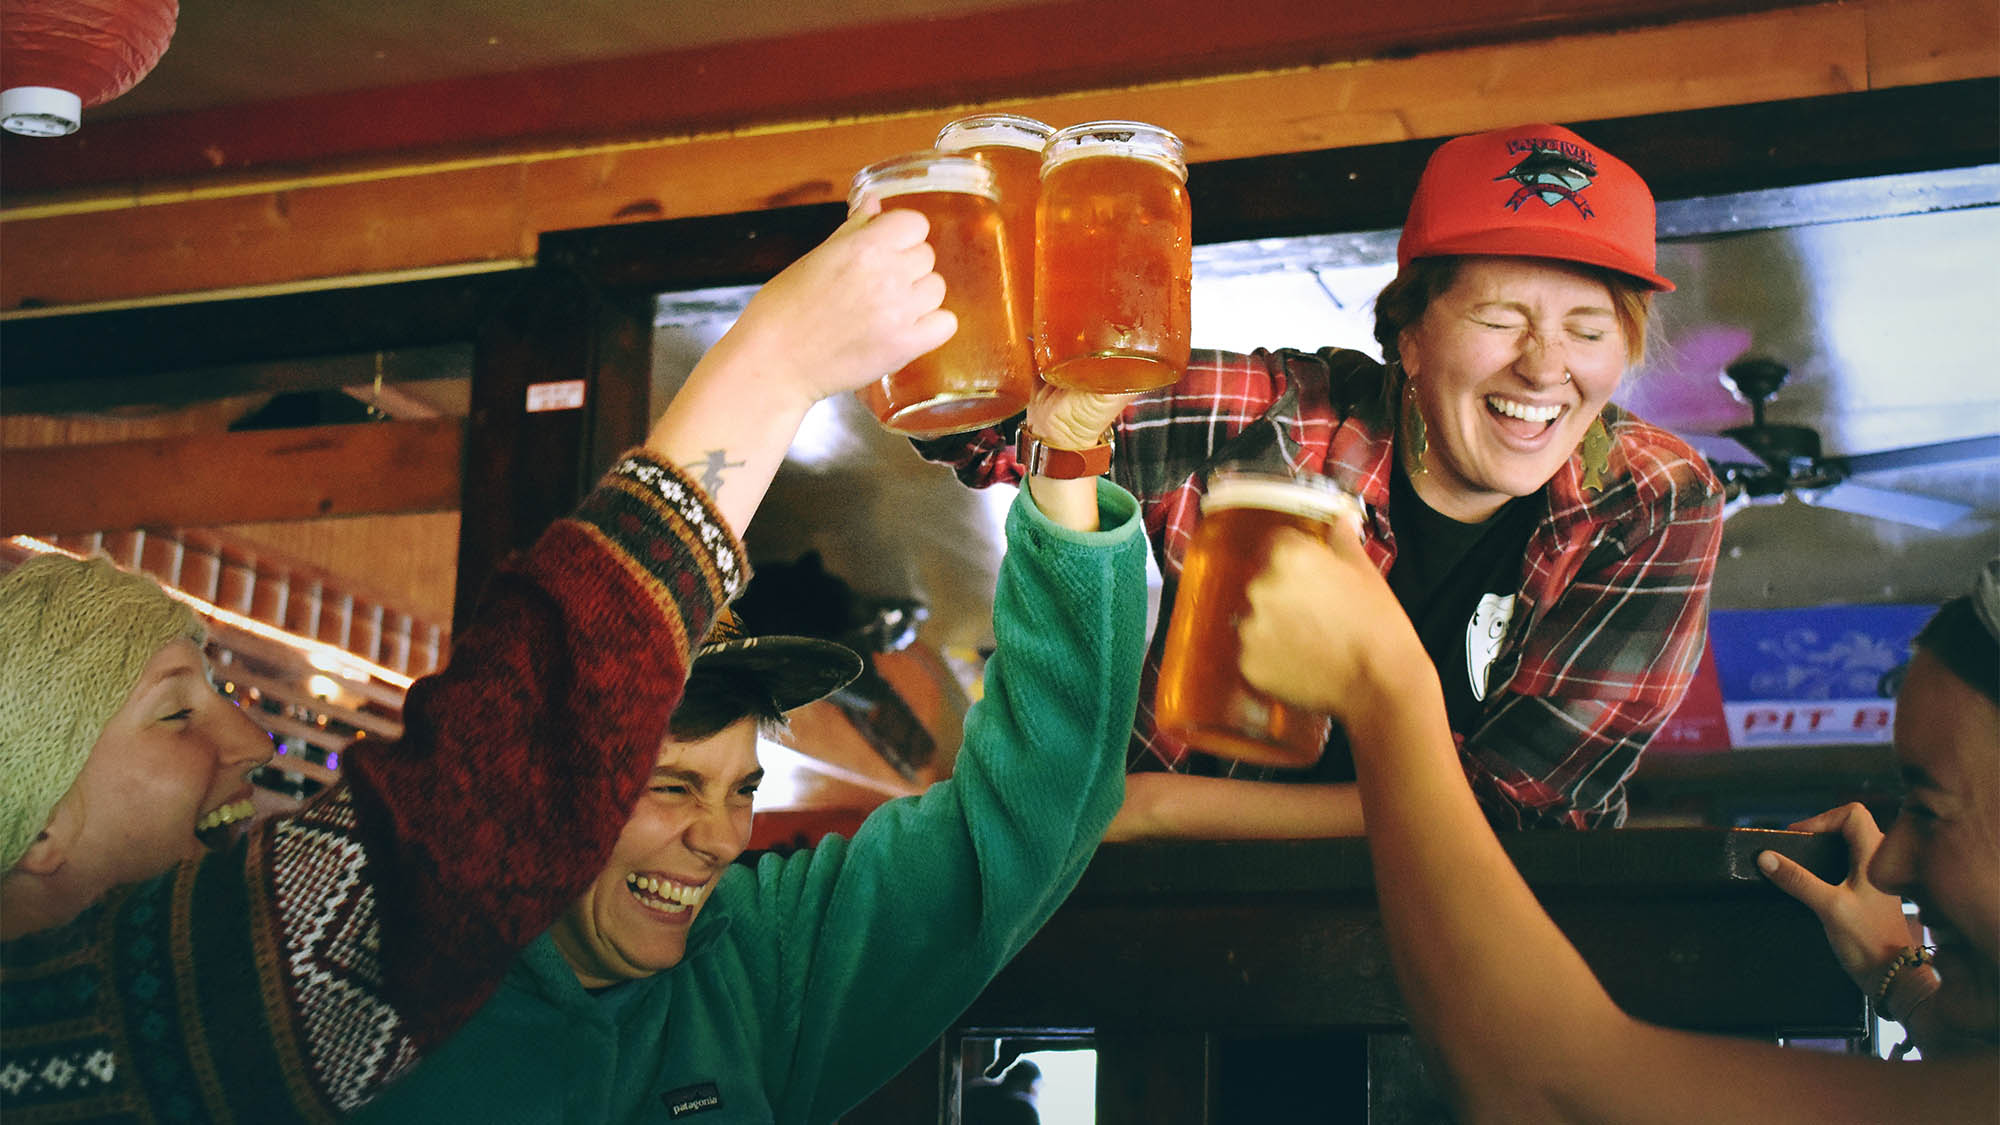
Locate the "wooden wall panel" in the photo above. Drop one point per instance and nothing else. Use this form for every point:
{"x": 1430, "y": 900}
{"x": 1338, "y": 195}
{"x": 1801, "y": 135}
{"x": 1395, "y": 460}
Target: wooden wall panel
{"x": 211, "y": 417}
{"x": 408, "y": 561}
{"x": 260, "y": 475}
{"x": 491, "y": 208}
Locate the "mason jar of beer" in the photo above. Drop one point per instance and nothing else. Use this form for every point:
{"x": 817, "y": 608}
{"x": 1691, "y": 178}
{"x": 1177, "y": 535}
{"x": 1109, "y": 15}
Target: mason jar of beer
{"x": 1202, "y": 699}
{"x": 984, "y": 373}
{"x": 1113, "y": 261}
{"x": 1013, "y": 145}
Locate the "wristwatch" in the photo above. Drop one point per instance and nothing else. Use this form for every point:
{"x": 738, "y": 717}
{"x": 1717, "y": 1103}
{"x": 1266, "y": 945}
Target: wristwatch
{"x": 1042, "y": 460}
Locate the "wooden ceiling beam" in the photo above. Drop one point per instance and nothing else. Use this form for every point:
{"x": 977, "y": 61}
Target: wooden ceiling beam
{"x": 214, "y": 233}
{"x": 1684, "y": 155}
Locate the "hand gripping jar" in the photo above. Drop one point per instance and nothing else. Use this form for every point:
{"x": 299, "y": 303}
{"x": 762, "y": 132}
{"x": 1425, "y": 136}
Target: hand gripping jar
{"x": 1202, "y": 699}
{"x": 984, "y": 373}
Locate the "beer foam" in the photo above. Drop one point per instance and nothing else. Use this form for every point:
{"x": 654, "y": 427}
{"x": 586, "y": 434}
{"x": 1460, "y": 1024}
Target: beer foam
{"x": 1134, "y": 140}
{"x": 995, "y": 129}
{"x": 1130, "y": 152}
{"x": 921, "y": 172}
{"x": 1321, "y": 501}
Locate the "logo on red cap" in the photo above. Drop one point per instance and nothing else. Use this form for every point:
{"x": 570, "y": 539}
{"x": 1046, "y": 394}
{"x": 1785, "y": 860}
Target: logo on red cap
{"x": 1595, "y": 211}
{"x": 1551, "y": 171}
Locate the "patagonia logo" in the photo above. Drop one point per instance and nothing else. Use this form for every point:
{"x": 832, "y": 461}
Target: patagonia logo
{"x": 1552, "y": 171}
{"x": 690, "y": 1100}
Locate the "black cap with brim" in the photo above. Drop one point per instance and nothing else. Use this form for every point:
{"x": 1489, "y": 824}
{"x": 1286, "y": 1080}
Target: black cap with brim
{"x": 796, "y": 670}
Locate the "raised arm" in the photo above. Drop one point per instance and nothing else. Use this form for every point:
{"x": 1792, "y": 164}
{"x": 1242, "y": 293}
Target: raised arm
{"x": 1521, "y": 1024}
{"x": 557, "y": 698}
{"x": 862, "y": 303}
{"x": 350, "y": 938}
{"x": 908, "y": 921}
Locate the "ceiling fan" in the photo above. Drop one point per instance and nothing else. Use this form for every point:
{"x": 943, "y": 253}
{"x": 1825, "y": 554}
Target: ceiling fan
{"x": 1765, "y": 462}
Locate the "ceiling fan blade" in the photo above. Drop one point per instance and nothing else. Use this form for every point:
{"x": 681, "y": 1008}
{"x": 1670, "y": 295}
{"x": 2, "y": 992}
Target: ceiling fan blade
{"x": 1884, "y": 504}
{"x": 1984, "y": 448}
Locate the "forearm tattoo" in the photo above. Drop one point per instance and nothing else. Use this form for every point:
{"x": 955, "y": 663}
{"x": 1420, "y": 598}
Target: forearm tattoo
{"x": 708, "y": 471}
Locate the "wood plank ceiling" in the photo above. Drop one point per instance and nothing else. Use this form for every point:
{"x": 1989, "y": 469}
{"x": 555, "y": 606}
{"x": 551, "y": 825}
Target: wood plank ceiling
{"x": 306, "y": 81}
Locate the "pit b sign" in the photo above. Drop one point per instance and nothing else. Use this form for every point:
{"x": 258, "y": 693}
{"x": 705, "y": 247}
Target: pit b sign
{"x": 1819, "y": 676}
{"x": 1834, "y": 722}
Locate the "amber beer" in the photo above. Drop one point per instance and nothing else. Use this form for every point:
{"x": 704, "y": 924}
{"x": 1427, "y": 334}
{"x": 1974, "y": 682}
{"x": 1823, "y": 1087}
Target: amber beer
{"x": 1013, "y": 145}
{"x": 1202, "y": 699}
{"x": 984, "y": 373}
{"x": 1114, "y": 261}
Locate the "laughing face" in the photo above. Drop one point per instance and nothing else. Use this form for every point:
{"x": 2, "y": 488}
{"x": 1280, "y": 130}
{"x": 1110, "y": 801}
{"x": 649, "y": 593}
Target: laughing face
{"x": 1510, "y": 365}
{"x": 1943, "y": 851}
{"x": 170, "y": 766}
{"x": 691, "y": 823}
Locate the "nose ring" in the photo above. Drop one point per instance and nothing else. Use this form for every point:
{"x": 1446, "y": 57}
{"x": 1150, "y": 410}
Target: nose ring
{"x": 1567, "y": 376}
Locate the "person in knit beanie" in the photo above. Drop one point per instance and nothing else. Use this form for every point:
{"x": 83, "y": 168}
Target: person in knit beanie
{"x": 293, "y": 975}
{"x": 114, "y": 747}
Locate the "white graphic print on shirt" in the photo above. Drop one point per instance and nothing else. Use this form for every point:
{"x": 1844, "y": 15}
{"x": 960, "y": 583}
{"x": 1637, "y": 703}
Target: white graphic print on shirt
{"x": 1482, "y": 638}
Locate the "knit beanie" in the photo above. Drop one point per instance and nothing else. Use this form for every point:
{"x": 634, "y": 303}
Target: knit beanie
{"x": 74, "y": 636}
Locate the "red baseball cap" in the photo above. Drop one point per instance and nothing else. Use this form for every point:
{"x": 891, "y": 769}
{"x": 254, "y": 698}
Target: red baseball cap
{"x": 1533, "y": 191}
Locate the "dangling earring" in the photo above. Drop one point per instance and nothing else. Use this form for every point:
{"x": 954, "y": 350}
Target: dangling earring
{"x": 1412, "y": 440}
{"x": 1596, "y": 455}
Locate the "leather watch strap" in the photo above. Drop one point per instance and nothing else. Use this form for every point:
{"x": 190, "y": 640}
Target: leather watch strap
{"x": 1042, "y": 460}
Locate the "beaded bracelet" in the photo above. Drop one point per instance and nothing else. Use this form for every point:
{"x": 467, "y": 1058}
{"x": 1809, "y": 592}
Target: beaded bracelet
{"x": 1922, "y": 985}
{"x": 1908, "y": 956}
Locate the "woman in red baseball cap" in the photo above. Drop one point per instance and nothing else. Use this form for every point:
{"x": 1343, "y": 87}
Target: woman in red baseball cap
{"x": 1552, "y": 551}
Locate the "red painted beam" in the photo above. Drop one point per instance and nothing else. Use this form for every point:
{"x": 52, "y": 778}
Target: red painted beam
{"x": 913, "y": 64}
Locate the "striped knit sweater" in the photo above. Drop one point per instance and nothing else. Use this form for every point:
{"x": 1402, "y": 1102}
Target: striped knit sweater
{"x": 291, "y": 977}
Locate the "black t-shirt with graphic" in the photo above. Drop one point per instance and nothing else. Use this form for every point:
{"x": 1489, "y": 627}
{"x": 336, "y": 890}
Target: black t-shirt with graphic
{"x": 1457, "y": 582}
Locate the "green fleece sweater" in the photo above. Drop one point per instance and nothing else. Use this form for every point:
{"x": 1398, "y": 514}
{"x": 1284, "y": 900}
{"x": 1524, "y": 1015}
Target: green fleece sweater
{"x": 812, "y": 979}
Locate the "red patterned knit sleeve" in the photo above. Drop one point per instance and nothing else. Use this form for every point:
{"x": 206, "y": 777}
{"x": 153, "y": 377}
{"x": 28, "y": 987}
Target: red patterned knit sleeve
{"x": 522, "y": 759}
{"x": 292, "y": 979}
{"x": 518, "y": 767}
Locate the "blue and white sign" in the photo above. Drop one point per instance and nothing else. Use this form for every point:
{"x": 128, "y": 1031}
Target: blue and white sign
{"x": 1815, "y": 676}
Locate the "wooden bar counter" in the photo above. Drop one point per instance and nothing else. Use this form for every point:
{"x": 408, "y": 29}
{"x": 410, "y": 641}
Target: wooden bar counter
{"x": 1250, "y": 982}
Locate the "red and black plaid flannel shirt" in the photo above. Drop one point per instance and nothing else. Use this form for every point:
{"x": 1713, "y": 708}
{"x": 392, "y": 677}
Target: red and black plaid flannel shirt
{"x": 1613, "y": 604}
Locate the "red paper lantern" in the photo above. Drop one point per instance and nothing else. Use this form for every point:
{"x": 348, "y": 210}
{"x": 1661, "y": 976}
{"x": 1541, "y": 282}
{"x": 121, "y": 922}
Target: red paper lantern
{"x": 58, "y": 56}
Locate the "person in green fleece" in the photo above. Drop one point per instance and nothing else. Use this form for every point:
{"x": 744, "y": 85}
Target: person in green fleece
{"x": 291, "y": 974}
{"x": 682, "y": 986}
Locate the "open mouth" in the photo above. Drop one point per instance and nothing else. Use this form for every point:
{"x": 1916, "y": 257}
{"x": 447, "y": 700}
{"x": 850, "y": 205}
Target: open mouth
{"x": 1538, "y": 417}
{"x": 666, "y": 896}
{"x": 213, "y": 829}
